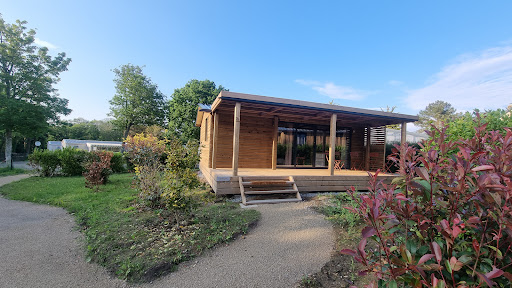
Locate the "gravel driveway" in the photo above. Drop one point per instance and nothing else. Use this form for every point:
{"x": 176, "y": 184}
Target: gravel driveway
{"x": 40, "y": 247}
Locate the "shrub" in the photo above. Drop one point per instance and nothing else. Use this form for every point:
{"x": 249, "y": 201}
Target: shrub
{"x": 45, "y": 162}
{"x": 144, "y": 152}
{"x": 97, "y": 169}
{"x": 118, "y": 163}
{"x": 447, "y": 220}
{"x": 180, "y": 176}
{"x": 72, "y": 161}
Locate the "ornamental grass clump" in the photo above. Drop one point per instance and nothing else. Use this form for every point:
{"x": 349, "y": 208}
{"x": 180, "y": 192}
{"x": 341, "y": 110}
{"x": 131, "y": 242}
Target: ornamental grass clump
{"x": 447, "y": 220}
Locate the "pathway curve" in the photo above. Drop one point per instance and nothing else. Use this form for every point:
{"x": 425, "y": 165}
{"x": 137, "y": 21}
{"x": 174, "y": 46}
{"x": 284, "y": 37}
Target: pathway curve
{"x": 40, "y": 247}
{"x": 289, "y": 242}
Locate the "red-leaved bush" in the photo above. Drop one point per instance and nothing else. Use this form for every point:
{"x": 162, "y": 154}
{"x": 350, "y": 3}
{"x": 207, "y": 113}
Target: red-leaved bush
{"x": 447, "y": 220}
{"x": 97, "y": 169}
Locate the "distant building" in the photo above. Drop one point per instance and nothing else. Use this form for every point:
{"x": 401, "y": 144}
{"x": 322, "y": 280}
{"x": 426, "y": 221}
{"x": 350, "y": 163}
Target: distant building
{"x": 54, "y": 145}
{"x": 87, "y": 145}
{"x": 393, "y": 135}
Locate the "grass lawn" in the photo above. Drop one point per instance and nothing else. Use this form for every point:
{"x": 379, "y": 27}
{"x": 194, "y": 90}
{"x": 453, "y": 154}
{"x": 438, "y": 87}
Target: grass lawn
{"x": 135, "y": 244}
{"x": 6, "y": 171}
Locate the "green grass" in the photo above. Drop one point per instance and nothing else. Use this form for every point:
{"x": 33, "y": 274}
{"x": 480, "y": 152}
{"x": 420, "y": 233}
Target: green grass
{"x": 335, "y": 211}
{"x": 134, "y": 244}
{"x": 6, "y": 171}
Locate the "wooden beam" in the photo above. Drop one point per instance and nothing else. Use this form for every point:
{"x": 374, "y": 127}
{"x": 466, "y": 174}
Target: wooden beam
{"x": 210, "y": 140}
{"x": 236, "y": 138}
{"x": 274, "y": 142}
{"x": 384, "y": 153}
{"x": 368, "y": 147}
{"x": 215, "y": 139}
{"x": 403, "y": 133}
{"x": 332, "y": 144}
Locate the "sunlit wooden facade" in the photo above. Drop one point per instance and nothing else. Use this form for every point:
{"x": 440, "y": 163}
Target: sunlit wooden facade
{"x": 242, "y": 133}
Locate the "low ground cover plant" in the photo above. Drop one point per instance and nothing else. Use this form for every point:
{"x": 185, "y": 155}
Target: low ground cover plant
{"x": 447, "y": 220}
{"x": 132, "y": 242}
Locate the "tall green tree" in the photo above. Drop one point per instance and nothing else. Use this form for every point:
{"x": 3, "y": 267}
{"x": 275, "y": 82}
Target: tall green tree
{"x": 137, "y": 100}
{"x": 183, "y": 107}
{"x": 437, "y": 113}
{"x": 28, "y": 100}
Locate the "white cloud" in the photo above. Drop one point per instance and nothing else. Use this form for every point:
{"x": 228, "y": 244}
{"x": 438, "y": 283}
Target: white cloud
{"x": 481, "y": 81}
{"x": 334, "y": 91}
{"x": 43, "y": 43}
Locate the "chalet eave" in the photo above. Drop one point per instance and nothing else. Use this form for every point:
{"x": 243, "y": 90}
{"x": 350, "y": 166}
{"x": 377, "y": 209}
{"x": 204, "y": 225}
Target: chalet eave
{"x": 310, "y": 115}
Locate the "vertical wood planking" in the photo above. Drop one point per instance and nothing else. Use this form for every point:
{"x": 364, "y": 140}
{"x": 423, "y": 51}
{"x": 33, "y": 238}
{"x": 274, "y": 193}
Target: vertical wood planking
{"x": 368, "y": 147}
{"x": 274, "y": 143}
{"x": 215, "y": 140}
{"x": 332, "y": 144}
{"x": 210, "y": 140}
{"x": 236, "y": 138}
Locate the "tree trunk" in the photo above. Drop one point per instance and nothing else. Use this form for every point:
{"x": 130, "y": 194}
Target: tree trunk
{"x": 8, "y": 148}
{"x": 127, "y": 131}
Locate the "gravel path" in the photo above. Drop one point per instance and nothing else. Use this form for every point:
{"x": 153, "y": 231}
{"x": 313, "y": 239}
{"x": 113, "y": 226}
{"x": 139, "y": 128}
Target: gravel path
{"x": 40, "y": 247}
{"x": 289, "y": 242}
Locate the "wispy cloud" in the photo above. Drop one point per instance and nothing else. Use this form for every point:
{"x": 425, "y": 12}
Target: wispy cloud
{"x": 481, "y": 81}
{"x": 43, "y": 43}
{"x": 334, "y": 91}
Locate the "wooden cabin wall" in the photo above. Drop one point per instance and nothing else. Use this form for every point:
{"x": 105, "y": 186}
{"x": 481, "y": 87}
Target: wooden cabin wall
{"x": 205, "y": 141}
{"x": 255, "y": 142}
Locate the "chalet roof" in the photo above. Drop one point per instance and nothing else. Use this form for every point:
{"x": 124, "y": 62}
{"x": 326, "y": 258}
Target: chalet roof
{"x": 304, "y": 111}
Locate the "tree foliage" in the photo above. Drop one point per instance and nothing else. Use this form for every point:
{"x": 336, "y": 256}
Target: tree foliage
{"x": 183, "y": 107}
{"x": 28, "y": 100}
{"x": 82, "y": 129}
{"x": 464, "y": 127}
{"x": 137, "y": 100}
{"x": 436, "y": 113}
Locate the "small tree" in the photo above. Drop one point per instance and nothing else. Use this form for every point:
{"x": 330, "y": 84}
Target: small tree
{"x": 435, "y": 114}
{"x": 137, "y": 100}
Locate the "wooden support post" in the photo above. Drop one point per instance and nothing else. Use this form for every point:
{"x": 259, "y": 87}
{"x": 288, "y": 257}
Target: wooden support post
{"x": 274, "y": 143}
{"x": 236, "y": 138}
{"x": 332, "y": 144}
{"x": 403, "y": 134}
{"x": 384, "y": 167}
{"x": 368, "y": 147}
{"x": 215, "y": 138}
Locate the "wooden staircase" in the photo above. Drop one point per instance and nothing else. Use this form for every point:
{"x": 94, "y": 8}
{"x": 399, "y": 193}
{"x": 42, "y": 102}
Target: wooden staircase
{"x": 270, "y": 188}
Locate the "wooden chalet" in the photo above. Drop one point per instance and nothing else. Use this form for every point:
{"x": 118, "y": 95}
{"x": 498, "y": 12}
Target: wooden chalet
{"x": 262, "y": 145}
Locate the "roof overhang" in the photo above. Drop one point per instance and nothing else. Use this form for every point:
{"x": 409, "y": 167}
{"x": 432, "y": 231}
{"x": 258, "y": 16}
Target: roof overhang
{"x": 305, "y": 111}
{"x": 200, "y": 113}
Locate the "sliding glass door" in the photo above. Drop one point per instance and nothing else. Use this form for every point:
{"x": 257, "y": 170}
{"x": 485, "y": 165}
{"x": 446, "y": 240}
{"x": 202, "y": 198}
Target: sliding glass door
{"x": 306, "y": 146}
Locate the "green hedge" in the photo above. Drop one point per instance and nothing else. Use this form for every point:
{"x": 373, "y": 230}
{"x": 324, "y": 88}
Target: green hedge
{"x": 69, "y": 162}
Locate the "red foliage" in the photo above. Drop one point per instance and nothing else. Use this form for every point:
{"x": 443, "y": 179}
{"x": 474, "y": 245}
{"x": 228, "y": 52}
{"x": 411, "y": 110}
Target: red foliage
{"x": 98, "y": 169}
{"x": 447, "y": 220}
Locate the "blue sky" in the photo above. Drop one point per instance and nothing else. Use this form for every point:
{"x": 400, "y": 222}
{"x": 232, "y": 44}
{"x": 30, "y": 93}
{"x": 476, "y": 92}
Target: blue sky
{"x": 367, "y": 54}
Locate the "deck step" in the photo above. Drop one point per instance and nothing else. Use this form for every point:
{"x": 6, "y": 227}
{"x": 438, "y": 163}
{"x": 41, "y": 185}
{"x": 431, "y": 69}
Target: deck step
{"x": 272, "y": 201}
{"x": 273, "y": 184}
{"x": 267, "y": 183}
{"x": 271, "y": 191}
